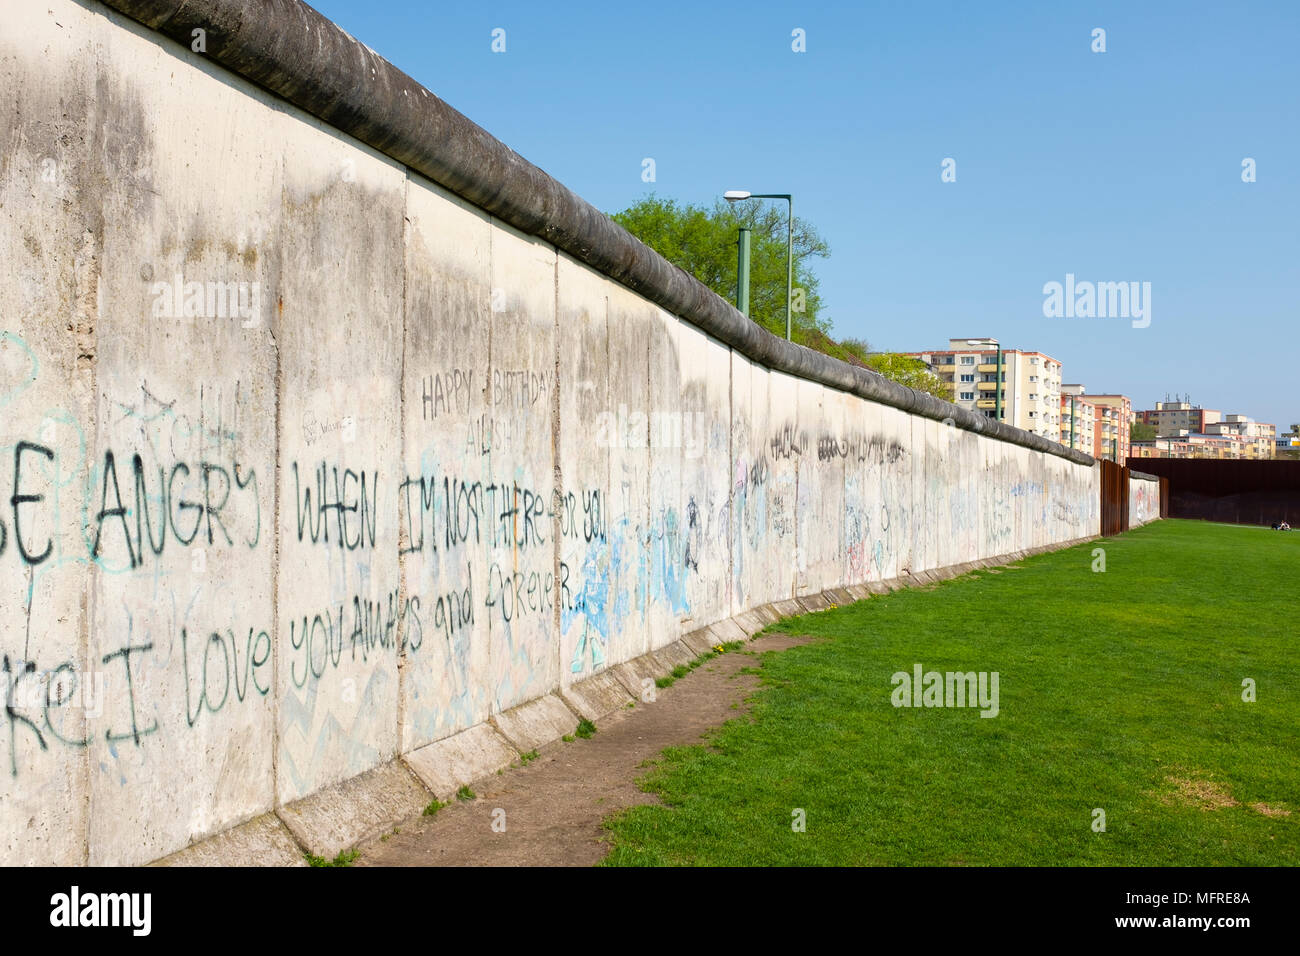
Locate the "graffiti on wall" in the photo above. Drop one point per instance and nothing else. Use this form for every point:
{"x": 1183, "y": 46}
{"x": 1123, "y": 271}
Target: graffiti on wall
{"x": 174, "y": 511}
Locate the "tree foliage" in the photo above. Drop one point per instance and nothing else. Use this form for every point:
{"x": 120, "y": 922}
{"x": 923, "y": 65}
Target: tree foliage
{"x": 702, "y": 241}
{"x": 909, "y": 371}
{"x": 1141, "y": 431}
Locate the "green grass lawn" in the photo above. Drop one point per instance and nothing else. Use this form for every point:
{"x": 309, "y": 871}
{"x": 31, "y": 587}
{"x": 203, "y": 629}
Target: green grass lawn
{"x": 1119, "y": 690}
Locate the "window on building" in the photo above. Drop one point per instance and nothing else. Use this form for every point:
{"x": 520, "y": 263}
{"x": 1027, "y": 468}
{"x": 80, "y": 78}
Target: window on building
{"x": 967, "y": 396}
{"x": 968, "y": 360}
{"x": 968, "y": 378}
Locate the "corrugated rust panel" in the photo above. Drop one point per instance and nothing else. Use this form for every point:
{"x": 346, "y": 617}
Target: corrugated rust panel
{"x": 1238, "y": 492}
{"x": 1114, "y": 498}
{"x": 1123, "y": 498}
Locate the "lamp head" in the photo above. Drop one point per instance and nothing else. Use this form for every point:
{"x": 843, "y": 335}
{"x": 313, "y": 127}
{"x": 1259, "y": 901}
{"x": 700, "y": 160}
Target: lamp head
{"x": 735, "y": 195}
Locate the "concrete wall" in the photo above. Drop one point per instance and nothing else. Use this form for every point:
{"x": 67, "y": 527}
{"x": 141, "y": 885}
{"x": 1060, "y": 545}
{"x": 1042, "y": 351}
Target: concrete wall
{"x": 1143, "y": 499}
{"x": 417, "y": 468}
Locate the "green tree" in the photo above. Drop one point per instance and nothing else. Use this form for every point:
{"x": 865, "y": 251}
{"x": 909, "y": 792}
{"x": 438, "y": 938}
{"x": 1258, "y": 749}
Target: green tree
{"x": 702, "y": 241}
{"x": 910, "y": 371}
{"x": 1141, "y": 431}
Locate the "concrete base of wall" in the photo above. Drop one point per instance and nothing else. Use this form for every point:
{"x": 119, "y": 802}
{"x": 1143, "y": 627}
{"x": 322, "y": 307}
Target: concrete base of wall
{"x": 262, "y": 841}
{"x": 536, "y": 723}
{"x": 597, "y": 696}
{"x": 356, "y": 810}
{"x": 449, "y": 764}
{"x": 360, "y": 808}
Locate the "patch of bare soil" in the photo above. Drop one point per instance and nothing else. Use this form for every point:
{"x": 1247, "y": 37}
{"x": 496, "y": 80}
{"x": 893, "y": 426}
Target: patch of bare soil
{"x": 555, "y": 804}
{"x": 1196, "y": 791}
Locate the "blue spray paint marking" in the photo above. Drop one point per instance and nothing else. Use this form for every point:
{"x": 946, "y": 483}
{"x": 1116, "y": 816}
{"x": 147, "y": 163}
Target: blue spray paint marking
{"x": 668, "y": 562}
{"x": 590, "y": 604}
{"x": 22, "y": 386}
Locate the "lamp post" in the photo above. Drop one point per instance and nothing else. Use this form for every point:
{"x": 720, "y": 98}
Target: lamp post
{"x": 742, "y": 271}
{"x": 997, "y": 384}
{"x": 740, "y": 195}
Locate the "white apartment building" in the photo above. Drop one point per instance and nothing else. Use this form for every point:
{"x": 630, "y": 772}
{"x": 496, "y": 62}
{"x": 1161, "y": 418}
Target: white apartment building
{"x": 1078, "y": 420}
{"x": 1261, "y": 436}
{"x": 1026, "y": 384}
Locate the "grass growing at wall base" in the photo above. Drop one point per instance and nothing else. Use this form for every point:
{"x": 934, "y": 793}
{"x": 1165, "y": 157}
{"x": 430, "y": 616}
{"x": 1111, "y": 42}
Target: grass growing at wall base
{"x": 1118, "y": 691}
{"x": 344, "y": 858}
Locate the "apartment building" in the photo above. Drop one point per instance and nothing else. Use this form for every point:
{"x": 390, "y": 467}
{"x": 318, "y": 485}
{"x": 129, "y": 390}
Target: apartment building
{"x": 1260, "y": 436}
{"x": 1184, "y": 430}
{"x": 1101, "y": 422}
{"x": 1170, "y": 418}
{"x": 1025, "y": 387}
{"x": 1117, "y": 415}
{"x": 1078, "y": 420}
{"x": 1192, "y": 445}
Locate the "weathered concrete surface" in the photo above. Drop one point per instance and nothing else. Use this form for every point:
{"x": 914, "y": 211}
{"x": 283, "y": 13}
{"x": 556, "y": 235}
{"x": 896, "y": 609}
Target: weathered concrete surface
{"x": 639, "y": 674}
{"x": 448, "y": 764}
{"x": 264, "y": 841}
{"x": 699, "y": 641}
{"x": 360, "y": 808}
{"x": 535, "y": 723}
{"x": 597, "y": 696}
{"x": 289, "y": 48}
{"x": 1143, "y": 499}
{"x": 314, "y": 464}
{"x": 676, "y": 654}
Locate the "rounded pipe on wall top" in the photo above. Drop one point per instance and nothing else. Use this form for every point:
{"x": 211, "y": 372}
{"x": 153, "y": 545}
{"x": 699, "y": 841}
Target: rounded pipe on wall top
{"x": 293, "y": 51}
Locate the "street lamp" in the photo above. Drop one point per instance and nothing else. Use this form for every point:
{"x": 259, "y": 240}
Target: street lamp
{"x": 742, "y": 271}
{"x": 1072, "y": 425}
{"x": 740, "y": 195}
{"x": 997, "y": 391}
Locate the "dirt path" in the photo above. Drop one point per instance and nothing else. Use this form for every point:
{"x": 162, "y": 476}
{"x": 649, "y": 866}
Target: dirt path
{"x": 554, "y": 806}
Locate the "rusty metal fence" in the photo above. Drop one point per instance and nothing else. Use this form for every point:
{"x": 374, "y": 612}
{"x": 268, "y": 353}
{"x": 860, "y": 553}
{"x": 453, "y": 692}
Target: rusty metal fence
{"x": 1114, "y": 498}
{"x": 1238, "y": 492}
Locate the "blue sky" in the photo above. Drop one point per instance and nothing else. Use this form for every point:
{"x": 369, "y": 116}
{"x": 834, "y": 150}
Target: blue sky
{"x": 1116, "y": 166}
